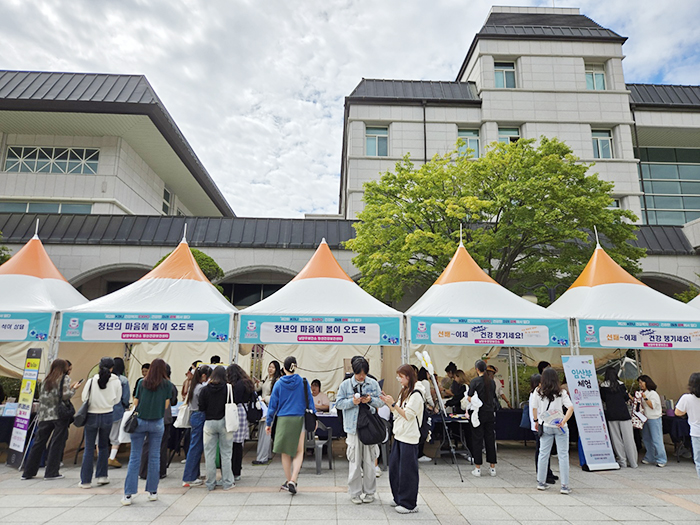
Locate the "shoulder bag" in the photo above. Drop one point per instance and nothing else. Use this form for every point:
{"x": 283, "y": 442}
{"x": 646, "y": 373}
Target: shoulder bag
{"x": 132, "y": 422}
{"x": 231, "y": 411}
{"x": 310, "y": 417}
{"x": 81, "y": 415}
{"x": 371, "y": 429}
{"x": 183, "y": 417}
{"x": 65, "y": 409}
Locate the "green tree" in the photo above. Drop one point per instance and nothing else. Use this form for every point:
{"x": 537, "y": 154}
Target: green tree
{"x": 207, "y": 264}
{"x": 4, "y": 251}
{"x": 688, "y": 295}
{"x": 527, "y": 213}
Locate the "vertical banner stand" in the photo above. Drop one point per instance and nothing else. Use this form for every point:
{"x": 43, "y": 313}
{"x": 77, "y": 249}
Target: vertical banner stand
{"x": 20, "y": 430}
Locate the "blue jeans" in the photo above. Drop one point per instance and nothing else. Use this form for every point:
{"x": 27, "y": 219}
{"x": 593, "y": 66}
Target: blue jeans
{"x": 696, "y": 452}
{"x": 97, "y": 428}
{"x": 194, "y": 454}
{"x": 653, "y": 437}
{"x": 153, "y": 428}
{"x": 546, "y": 441}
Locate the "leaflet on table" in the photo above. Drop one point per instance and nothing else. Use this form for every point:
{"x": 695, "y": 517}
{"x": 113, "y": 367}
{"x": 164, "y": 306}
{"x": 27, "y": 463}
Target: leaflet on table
{"x": 264, "y": 329}
{"x": 478, "y": 332}
{"x": 25, "y": 326}
{"x": 585, "y": 395}
{"x": 105, "y": 327}
{"x": 639, "y": 334}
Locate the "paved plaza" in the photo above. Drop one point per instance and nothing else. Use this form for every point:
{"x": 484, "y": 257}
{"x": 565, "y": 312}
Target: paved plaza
{"x": 649, "y": 494}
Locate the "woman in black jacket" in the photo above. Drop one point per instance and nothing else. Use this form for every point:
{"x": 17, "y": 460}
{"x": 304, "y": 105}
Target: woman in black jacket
{"x": 615, "y": 397}
{"x": 212, "y": 401}
{"x": 243, "y": 388}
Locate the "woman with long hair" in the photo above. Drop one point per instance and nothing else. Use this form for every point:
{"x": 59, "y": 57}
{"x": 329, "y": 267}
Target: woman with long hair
{"x": 118, "y": 411}
{"x": 690, "y": 404}
{"x": 212, "y": 401}
{"x": 403, "y": 459}
{"x": 264, "y": 388}
{"x": 101, "y": 392}
{"x": 51, "y": 429}
{"x": 652, "y": 431}
{"x": 459, "y": 389}
{"x": 615, "y": 396}
{"x": 424, "y": 379}
{"x": 535, "y": 380}
{"x": 243, "y": 388}
{"x": 288, "y": 403}
{"x": 485, "y": 434}
{"x": 200, "y": 377}
{"x": 551, "y": 411}
{"x": 152, "y": 399}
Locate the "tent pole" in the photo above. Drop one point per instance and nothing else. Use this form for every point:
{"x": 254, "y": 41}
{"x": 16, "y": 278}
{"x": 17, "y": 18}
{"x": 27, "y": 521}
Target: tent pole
{"x": 405, "y": 347}
{"x": 232, "y": 358}
{"x": 511, "y": 388}
{"x": 54, "y": 334}
{"x": 636, "y": 360}
{"x": 516, "y": 380}
{"x": 574, "y": 337}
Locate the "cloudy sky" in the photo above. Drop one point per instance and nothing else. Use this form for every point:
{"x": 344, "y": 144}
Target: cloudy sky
{"x": 258, "y": 87}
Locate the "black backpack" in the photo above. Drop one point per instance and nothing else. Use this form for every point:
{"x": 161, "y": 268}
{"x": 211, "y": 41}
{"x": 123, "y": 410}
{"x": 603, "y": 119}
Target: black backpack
{"x": 424, "y": 425}
{"x": 371, "y": 429}
{"x": 253, "y": 409}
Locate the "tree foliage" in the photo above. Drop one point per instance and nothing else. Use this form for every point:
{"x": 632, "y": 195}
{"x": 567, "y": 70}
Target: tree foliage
{"x": 528, "y": 212}
{"x": 206, "y": 263}
{"x": 4, "y": 252}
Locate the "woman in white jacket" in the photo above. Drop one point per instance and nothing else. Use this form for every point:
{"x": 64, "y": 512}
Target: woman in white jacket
{"x": 403, "y": 461}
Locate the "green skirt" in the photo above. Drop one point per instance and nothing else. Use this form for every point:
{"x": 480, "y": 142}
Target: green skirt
{"x": 287, "y": 432}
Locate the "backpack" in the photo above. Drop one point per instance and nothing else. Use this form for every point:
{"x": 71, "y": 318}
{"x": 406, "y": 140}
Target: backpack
{"x": 253, "y": 409}
{"x": 371, "y": 429}
{"x": 424, "y": 424}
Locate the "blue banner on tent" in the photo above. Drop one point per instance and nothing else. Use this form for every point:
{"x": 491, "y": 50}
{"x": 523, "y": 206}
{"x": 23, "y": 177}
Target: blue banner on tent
{"x": 595, "y": 333}
{"x": 106, "y": 327}
{"x": 269, "y": 329}
{"x": 25, "y": 326}
{"x": 486, "y": 332}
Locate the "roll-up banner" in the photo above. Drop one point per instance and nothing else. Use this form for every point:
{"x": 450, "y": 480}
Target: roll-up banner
{"x": 480, "y": 332}
{"x": 269, "y": 329}
{"x": 588, "y": 408}
{"x": 15, "y": 452}
{"x": 595, "y": 333}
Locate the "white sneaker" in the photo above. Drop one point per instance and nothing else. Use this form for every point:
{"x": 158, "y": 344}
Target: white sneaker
{"x": 377, "y": 471}
{"x": 425, "y": 459}
{"x": 152, "y": 496}
{"x": 367, "y": 498}
{"x": 85, "y": 485}
{"x": 195, "y": 483}
{"x": 102, "y": 481}
{"x": 357, "y": 500}
{"x": 183, "y": 461}
{"x": 476, "y": 472}
{"x": 492, "y": 471}
{"x": 404, "y": 510}
{"x": 126, "y": 500}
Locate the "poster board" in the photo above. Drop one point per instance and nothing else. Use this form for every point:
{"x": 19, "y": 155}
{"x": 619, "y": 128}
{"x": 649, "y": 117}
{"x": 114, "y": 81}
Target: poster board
{"x": 15, "y": 452}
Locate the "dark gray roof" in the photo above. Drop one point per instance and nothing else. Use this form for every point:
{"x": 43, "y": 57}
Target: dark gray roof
{"x": 416, "y": 90}
{"x": 540, "y": 26}
{"x": 238, "y": 232}
{"x": 103, "y": 93}
{"x": 140, "y": 230}
{"x": 665, "y": 96}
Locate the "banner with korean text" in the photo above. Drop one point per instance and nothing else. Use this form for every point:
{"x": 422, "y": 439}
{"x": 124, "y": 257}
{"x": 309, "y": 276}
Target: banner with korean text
{"x": 25, "y": 326}
{"x": 107, "y": 327}
{"x": 20, "y": 429}
{"x": 269, "y": 329}
{"x": 481, "y": 332}
{"x": 588, "y": 408}
{"x": 595, "y": 333}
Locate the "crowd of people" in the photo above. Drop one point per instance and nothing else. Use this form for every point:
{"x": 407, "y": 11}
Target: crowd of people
{"x": 221, "y": 403}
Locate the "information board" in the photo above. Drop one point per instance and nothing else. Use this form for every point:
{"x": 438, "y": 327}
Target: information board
{"x": 20, "y": 428}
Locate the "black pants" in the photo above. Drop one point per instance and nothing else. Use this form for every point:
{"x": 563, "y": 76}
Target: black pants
{"x": 237, "y": 459}
{"x": 57, "y": 431}
{"x": 143, "y": 468}
{"x": 484, "y": 436}
{"x": 403, "y": 474}
{"x": 550, "y": 474}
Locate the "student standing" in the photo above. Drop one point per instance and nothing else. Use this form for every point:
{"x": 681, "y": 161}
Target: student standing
{"x": 151, "y": 402}
{"x": 118, "y": 412}
{"x": 289, "y": 401}
{"x": 484, "y": 436}
{"x": 615, "y": 397}
{"x": 264, "y": 452}
{"x": 354, "y": 391}
{"x": 690, "y": 404}
{"x": 101, "y": 392}
{"x": 197, "y": 418}
{"x": 212, "y": 401}
{"x": 552, "y": 399}
{"x": 243, "y": 388}
{"x": 55, "y": 389}
{"x": 534, "y": 385}
{"x": 652, "y": 432}
{"x": 403, "y": 460}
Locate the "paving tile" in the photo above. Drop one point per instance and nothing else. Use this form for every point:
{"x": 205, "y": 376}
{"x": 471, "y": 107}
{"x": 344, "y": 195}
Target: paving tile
{"x": 312, "y": 512}
{"x": 484, "y": 512}
{"x": 35, "y": 515}
{"x": 263, "y": 512}
{"x": 576, "y": 512}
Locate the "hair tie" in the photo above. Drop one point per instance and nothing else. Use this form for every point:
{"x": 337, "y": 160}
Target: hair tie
{"x": 292, "y": 367}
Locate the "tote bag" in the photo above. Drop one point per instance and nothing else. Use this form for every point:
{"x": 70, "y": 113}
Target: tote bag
{"x": 231, "y": 411}
{"x": 183, "y": 417}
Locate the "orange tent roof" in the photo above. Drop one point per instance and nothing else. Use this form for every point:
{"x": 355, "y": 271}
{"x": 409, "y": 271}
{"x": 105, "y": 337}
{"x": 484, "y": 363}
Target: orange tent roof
{"x": 32, "y": 260}
{"x": 322, "y": 264}
{"x": 180, "y": 264}
{"x": 601, "y": 269}
{"x": 463, "y": 268}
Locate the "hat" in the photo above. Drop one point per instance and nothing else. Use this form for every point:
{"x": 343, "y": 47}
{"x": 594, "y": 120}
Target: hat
{"x": 492, "y": 368}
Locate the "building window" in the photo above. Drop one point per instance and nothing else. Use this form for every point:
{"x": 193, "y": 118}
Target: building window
{"x": 243, "y": 295}
{"x": 45, "y": 207}
{"x": 595, "y": 77}
{"x": 505, "y": 74}
{"x": 471, "y": 141}
{"x": 377, "y": 142}
{"x": 508, "y": 135}
{"x": 167, "y": 201}
{"x": 51, "y": 160}
{"x": 615, "y": 204}
{"x": 602, "y": 145}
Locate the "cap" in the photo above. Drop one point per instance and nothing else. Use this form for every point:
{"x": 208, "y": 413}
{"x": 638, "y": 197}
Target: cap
{"x": 492, "y": 368}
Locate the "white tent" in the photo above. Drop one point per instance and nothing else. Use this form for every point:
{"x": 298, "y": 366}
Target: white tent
{"x": 32, "y": 290}
{"x": 173, "y": 304}
{"x": 322, "y": 317}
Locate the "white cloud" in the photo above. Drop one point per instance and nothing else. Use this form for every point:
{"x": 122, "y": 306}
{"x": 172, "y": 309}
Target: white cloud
{"x": 258, "y": 87}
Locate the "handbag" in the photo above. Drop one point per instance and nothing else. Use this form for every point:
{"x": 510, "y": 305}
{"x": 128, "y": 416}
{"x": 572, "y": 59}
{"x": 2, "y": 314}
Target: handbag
{"x": 638, "y": 417}
{"x": 81, "y": 415}
{"x": 310, "y": 418}
{"x": 183, "y": 417}
{"x": 65, "y": 409}
{"x": 231, "y": 411}
{"x": 132, "y": 422}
